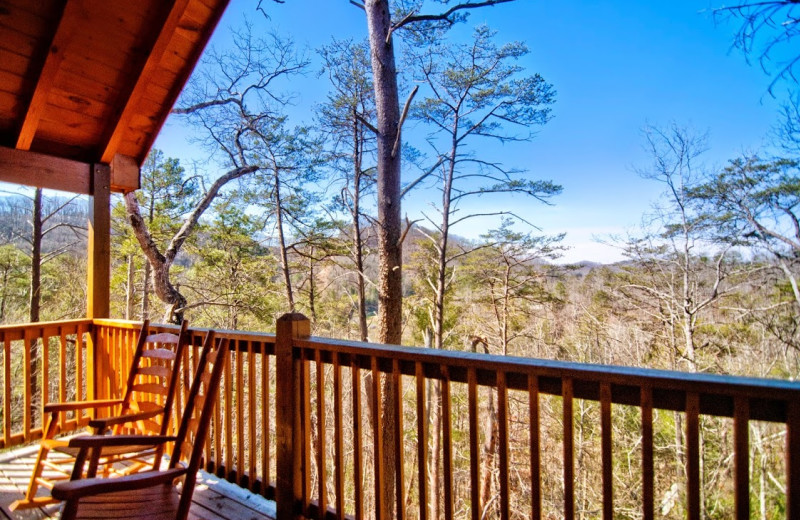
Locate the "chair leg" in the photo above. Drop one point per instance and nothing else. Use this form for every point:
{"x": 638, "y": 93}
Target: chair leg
{"x": 33, "y": 485}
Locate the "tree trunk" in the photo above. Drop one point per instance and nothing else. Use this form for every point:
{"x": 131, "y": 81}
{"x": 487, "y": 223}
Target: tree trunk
{"x": 146, "y": 291}
{"x": 287, "y": 275}
{"x": 130, "y": 289}
{"x": 390, "y": 288}
{"x": 36, "y": 258}
{"x": 35, "y": 291}
{"x": 358, "y": 244}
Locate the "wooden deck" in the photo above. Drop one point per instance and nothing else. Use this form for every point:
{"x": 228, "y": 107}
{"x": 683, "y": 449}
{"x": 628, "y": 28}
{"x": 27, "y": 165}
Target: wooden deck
{"x": 213, "y": 499}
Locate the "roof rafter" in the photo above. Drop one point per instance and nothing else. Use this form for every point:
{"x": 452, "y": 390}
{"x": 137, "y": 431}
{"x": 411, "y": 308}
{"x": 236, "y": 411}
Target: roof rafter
{"x": 67, "y": 27}
{"x": 149, "y": 67}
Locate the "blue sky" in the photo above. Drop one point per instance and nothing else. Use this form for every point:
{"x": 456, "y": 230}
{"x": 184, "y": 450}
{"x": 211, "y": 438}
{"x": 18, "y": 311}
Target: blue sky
{"x": 616, "y": 66}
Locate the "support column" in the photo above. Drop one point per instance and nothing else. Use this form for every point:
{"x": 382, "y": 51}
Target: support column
{"x": 99, "y": 247}
{"x": 288, "y": 488}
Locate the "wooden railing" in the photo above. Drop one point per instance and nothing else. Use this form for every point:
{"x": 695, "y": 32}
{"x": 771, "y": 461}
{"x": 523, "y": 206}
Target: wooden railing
{"x": 42, "y": 363}
{"x": 474, "y": 435}
{"x": 323, "y": 471}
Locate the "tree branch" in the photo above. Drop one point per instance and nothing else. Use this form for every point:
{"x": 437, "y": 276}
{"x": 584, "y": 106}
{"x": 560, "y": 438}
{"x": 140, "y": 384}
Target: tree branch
{"x": 445, "y": 16}
{"x": 402, "y": 119}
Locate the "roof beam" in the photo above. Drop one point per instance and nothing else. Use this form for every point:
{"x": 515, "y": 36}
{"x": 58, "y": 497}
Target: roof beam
{"x": 67, "y": 27}
{"x": 150, "y": 66}
{"x": 44, "y": 171}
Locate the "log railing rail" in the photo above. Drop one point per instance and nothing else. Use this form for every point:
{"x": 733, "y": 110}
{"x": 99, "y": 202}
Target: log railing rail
{"x": 298, "y": 418}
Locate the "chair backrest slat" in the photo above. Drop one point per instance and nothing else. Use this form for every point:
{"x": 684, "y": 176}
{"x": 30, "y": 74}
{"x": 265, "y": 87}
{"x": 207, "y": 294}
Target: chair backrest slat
{"x": 194, "y": 423}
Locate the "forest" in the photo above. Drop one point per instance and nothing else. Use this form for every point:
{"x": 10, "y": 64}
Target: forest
{"x": 292, "y": 220}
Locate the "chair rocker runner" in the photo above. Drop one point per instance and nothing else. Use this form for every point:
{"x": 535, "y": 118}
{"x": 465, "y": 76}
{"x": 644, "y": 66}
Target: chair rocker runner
{"x": 152, "y": 494}
{"x": 146, "y": 407}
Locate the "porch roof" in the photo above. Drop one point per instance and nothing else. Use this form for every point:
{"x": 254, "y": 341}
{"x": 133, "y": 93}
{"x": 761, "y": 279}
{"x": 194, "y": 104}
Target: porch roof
{"x": 86, "y": 82}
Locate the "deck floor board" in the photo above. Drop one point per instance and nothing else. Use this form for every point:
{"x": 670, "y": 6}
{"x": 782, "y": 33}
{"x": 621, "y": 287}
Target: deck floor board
{"x": 213, "y": 499}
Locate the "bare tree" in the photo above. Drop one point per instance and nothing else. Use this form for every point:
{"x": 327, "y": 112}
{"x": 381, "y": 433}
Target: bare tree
{"x": 767, "y": 32}
{"x": 233, "y": 99}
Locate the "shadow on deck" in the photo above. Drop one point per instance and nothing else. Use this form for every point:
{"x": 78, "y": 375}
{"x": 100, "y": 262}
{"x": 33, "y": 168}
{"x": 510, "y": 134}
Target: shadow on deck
{"x": 213, "y": 499}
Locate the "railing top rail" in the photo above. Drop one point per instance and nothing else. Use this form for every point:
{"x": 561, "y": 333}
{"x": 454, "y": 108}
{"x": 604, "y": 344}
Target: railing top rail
{"x": 45, "y": 324}
{"x": 614, "y": 374}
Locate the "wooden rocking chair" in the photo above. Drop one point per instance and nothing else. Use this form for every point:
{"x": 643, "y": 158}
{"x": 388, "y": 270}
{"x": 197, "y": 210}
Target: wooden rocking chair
{"x": 146, "y": 407}
{"x": 151, "y": 494}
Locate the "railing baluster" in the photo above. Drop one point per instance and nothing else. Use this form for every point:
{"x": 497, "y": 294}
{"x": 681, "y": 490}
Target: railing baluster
{"x": 45, "y": 388}
{"x": 422, "y": 441}
{"x": 62, "y": 373}
{"x": 502, "y": 419}
{"x": 26, "y": 413}
{"x": 793, "y": 459}
{"x": 7, "y": 411}
{"x": 535, "y": 447}
{"x": 569, "y": 453}
{"x": 358, "y": 443}
{"x": 606, "y": 448}
{"x": 648, "y": 472}
{"x": 305, "y": 421}
{"x": 322, "y": 477}
{"x": 265, "y": 420}
{"x": 693, "y": 455}
{"x": 377, "y": 441}
{"x": 741, "y": 454}
{"x": 252, "y": 455}
{"x": 447, "y": 443}
{"x": 227, "y": 401}
{"x": 399, "y": 463}
{"x": 474, "y": 448}
{"x": 338, "y": 439}
{"x": 240, "y": 428}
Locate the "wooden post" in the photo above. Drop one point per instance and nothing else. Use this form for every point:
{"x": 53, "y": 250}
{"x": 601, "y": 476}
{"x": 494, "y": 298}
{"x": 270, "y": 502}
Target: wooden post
{"x": 99, "y": 248}
{"x": 288, "y": 488}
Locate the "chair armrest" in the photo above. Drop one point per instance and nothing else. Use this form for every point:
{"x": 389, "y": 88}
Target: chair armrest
{"x": 100, "y": 441}
{"x": 80, "y": 405}
{"x": 75, "y": 489}
{"x": 105, "y": 422}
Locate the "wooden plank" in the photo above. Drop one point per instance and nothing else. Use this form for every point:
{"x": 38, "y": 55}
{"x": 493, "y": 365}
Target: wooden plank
{"x": 7, "y": 412}
{"x": 502, "y": 419}
{"x": 240, "y": 428}
{"x": 44, "y": 391}
{"x": 399, "y": 462}
{"x": 358, "y": 444}
{"x": 204, "y": 33}
{"x": 125, "y": 173}
{"x": 741, "y": 454}
{"x": 265, "y": 423}
{"x": 569, "y": 450}
{"x": 144, "y": 77}
{"x": 474, "y": 446}
{"x": 99, "y": 248}
{"x": 26, "y": 411}
{"x": 648, "y": 471}
{"x": 227, "y": 402}
{"x": 447, "y": 443}
{"x": 338, "y": 437}
{"x": 251, "y": 416}
{"x": 322, "y": 477}
{"x": 304, "y": 412}
{"x": 693, "y": 456}
{"x": 606, "y": 449}
{"x": 36, "y": 169}
{"x": 62, "y": 372}
{"x": 68, "y": 27}
{"x": 422, "y": 442}
{"x": 535, "y": 448}
{"x": 793, "y": 460}
{"x": 381, "y": 511}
